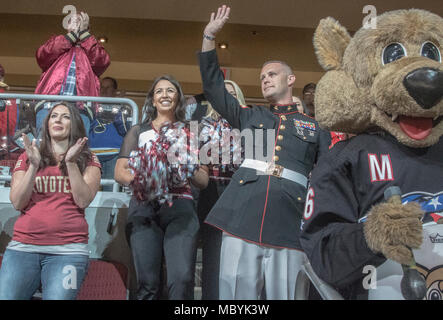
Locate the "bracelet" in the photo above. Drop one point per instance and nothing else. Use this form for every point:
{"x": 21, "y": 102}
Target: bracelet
{"x": 208, "y": 37}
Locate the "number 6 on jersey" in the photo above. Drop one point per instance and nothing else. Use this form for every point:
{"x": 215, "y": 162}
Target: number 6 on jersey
{"x": 309, "y": 205}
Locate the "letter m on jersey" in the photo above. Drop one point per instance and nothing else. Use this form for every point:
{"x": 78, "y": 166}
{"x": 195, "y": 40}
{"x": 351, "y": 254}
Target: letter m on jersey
{"x": 380, "y": 168}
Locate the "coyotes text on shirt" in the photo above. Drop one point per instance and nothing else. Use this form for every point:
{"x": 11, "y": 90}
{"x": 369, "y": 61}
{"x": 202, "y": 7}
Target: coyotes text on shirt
{"x": 44, "y": 184}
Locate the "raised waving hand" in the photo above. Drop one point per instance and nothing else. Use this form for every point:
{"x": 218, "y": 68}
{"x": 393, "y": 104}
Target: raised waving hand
{"x": 84, "y": 24}
{"x": 216, "y": 23}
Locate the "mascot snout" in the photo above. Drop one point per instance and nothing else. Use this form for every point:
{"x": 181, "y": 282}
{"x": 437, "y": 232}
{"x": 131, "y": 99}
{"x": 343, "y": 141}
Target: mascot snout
{"x": 425, "y": 85}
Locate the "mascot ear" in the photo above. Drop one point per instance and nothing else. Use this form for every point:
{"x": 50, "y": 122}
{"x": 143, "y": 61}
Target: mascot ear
{"x": 330, "y": 42}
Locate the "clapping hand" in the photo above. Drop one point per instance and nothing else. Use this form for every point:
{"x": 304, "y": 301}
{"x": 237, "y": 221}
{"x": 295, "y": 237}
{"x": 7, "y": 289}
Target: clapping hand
{"x": 74, "y": 24}
{"x": 75, "y": 150}
{"x": 84, "y": 24}
{"x": 217, "y": 21}
{"x": 31, "y": 150}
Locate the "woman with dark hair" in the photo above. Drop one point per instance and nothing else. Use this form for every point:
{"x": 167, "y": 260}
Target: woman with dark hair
{"x": 178, "y": 112}
{"x": 154, "y": 230}
{"x": 51, "y": 185}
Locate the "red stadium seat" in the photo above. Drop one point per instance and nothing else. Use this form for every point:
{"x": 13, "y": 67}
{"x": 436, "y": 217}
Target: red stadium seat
{"x": 105, "y": 280}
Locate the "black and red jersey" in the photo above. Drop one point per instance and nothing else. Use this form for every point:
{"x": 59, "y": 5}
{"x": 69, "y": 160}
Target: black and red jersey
{"x": 344, "y": 186}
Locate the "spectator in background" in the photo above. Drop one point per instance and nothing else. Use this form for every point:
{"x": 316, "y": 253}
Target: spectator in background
{"x": 108, "y": 87}
{"x": 2, "y": 74}
{"x": 51, "y": 186}
{"x": 308, "y": 98}
{"x": 197, "y": 106}
{"x": 108, "y": 130}
{"x": 219, "y": 178}
{"x": 8, "y": 123}
{"x": 235, "y": 91}
{"x": 299, "y": 104}
{"x": 71, "y": 65}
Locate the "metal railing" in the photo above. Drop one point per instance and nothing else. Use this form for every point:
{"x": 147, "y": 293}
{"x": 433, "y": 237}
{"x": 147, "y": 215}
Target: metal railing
{"x": 5, "y": 178}
{"x": 139, "y": 94}
{"x": 307, "y": 276}
{"x": 131, "y": 103}
{"x": 104, "y": 100}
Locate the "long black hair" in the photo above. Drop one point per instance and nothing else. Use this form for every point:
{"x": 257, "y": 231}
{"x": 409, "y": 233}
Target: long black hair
{"x": 180, "y": 109}
{"x": 77, "y": 131}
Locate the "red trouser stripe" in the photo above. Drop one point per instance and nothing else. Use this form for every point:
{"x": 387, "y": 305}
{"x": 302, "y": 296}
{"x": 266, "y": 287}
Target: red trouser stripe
{"x": 269, "y": 180}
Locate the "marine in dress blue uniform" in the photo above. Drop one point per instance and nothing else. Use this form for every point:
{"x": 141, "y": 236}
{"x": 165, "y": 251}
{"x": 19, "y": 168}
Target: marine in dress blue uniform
{"x": 262, "y": 206}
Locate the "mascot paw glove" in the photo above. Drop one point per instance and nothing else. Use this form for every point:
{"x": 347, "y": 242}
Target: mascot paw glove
{"x": 394, "y": 229}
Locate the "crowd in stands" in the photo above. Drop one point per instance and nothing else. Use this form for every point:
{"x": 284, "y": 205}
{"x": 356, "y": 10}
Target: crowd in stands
{"x": 57, "y": 152}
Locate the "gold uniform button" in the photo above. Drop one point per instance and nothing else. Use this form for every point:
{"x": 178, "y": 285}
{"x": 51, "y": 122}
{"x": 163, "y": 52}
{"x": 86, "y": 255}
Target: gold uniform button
{"x": 261, "y": 125}
{"x": 278, "y": 148}
{"x": 299, "y": 199}
{"x": 282, "y": 127}
{"x": 283, "y": 117}
{"x": 280, "y": 137}
{"x": 276, "y": 158}
{"x": 241, "y": 181}
{"x": 304, "y": 138}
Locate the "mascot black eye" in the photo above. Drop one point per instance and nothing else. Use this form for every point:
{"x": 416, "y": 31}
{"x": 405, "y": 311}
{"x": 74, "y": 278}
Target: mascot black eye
{"x": 430, "y": 50}
{"x": 434, "y": 294}
{"x": 392, "y": 52}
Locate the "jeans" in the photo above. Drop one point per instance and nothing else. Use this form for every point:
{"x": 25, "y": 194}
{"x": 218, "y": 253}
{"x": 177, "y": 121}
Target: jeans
{"x": 171, "y": 231}
{"x": 41, "y": 114}
{"x": 60, "y": 276}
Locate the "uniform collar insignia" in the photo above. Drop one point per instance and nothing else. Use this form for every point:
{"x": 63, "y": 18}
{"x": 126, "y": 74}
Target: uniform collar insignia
{"x": 283, "y": 108}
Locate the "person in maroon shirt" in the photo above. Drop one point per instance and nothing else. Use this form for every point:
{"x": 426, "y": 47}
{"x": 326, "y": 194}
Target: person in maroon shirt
{"x": 71, "y": 64}
{"x": 8, "y": 123}
{"x": 51, "y": 186}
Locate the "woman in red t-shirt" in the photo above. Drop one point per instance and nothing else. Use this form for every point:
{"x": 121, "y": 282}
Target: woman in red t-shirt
{"x": 51, "y": 185}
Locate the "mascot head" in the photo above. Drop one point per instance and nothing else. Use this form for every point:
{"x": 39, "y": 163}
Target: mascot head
{"x": 389, "y": 77}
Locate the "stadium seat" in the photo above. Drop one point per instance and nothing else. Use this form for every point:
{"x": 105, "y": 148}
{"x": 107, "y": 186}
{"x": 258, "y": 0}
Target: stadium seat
{"x": 105, "y": 280}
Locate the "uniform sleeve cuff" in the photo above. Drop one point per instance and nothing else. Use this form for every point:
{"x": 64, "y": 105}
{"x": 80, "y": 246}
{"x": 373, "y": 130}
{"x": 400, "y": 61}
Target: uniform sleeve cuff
{"x": 71, "y": 37}
{"x": 84, "y": 35}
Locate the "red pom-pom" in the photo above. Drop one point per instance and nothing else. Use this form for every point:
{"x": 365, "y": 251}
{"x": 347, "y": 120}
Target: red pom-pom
{"x": 163, "y": 164}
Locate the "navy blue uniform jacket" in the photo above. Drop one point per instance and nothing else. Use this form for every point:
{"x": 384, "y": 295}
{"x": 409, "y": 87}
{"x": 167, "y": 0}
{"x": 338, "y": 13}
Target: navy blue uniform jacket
{"x": 263, "y": 209}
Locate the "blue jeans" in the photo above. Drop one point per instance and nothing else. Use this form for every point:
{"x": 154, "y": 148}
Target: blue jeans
{"x": 41, "y": 114}
{"x": 61, "y": 276}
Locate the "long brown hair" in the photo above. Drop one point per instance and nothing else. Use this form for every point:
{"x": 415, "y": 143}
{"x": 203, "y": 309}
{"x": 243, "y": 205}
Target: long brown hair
{"x": 77, "y": 131}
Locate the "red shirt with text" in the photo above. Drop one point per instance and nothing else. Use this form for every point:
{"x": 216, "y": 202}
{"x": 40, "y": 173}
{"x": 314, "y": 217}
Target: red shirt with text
{"x": 51, "y": 216}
